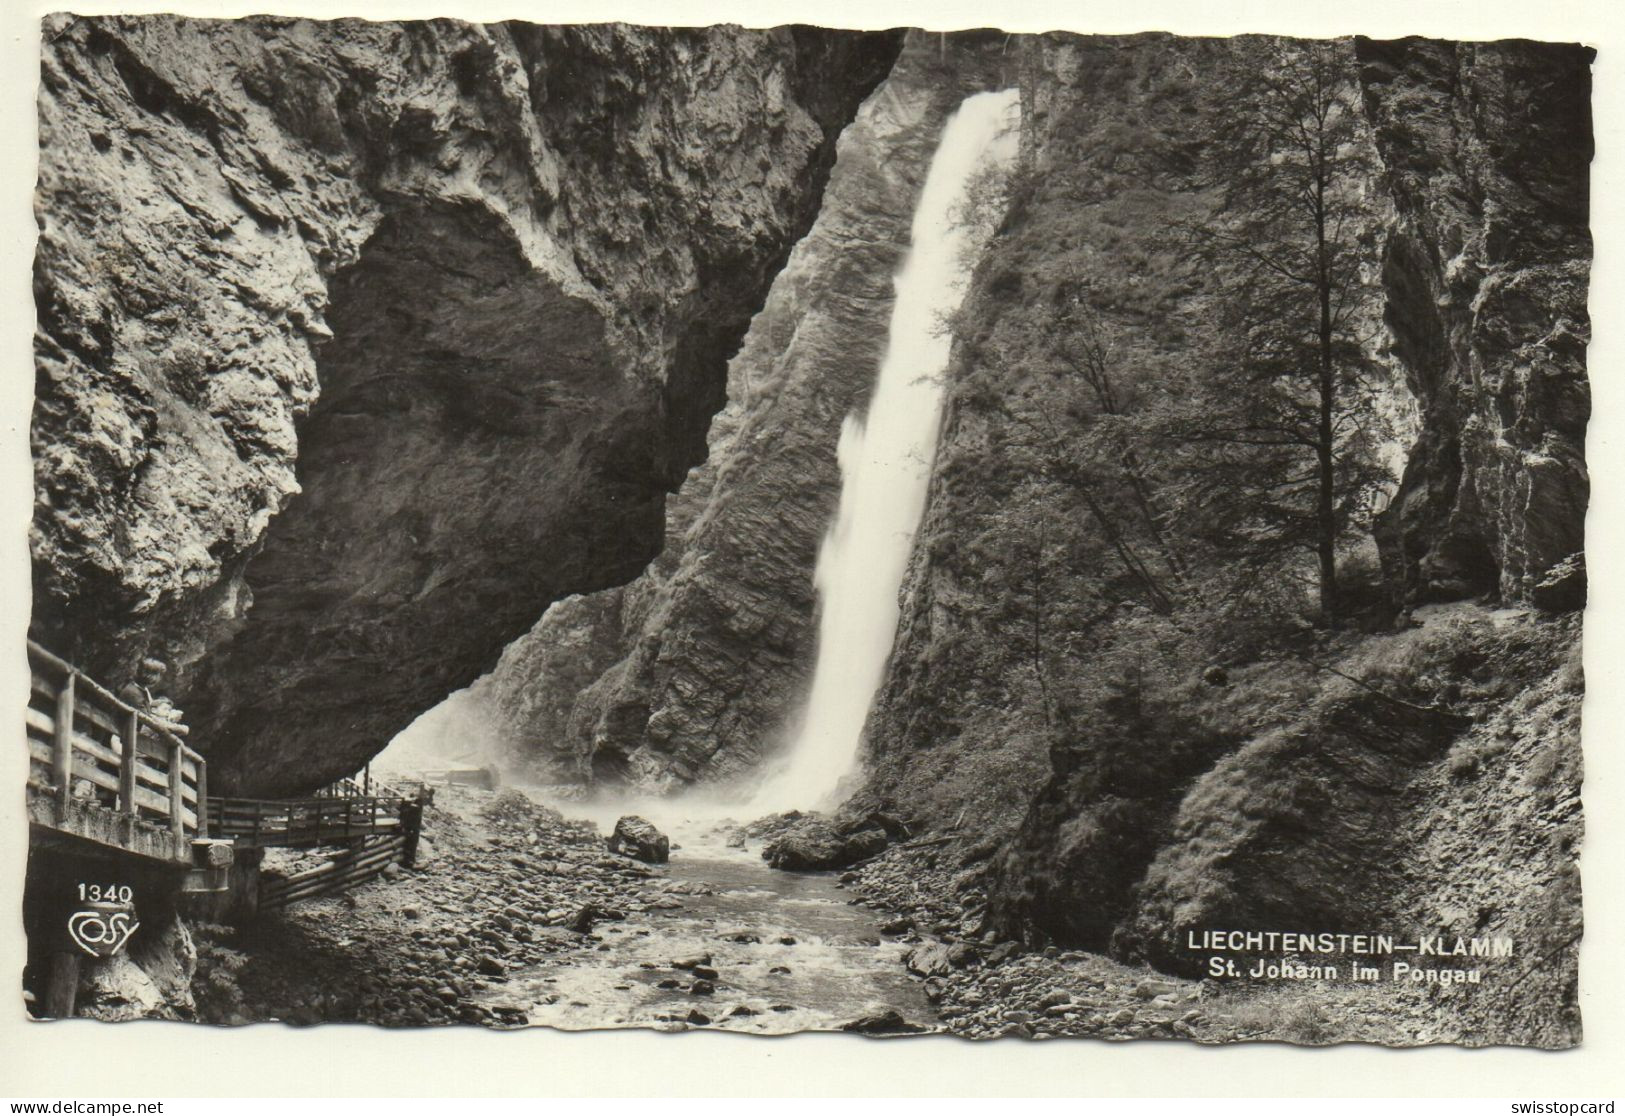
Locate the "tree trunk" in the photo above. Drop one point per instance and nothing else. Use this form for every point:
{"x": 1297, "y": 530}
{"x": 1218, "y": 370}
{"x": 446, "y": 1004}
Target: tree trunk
{"x": 1326, "y": 505}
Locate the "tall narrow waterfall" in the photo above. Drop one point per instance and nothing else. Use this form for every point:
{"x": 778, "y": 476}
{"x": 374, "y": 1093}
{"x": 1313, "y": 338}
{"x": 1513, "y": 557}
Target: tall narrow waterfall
{"x": 886, "y": 459}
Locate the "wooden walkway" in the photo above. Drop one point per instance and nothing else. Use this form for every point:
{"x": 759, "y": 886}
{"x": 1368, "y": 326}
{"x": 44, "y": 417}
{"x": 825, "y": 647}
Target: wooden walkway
{"x": 105, "y": 777}
{"x": 109, "y": 781}
{"x": 104, "y": 772}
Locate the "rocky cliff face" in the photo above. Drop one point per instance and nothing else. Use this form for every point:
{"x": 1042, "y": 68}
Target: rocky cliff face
{"x": 1486, "y": 150}
{"x": 359, "y": 343}
{"x": 1130, "y": 767}
{"x": 691, "y": 673}
{"x": 1012, "y": 583}
{"x": 1364, "y": 811}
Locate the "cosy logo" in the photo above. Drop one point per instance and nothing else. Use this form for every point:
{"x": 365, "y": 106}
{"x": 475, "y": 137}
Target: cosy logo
{"x": 102, "y": 930}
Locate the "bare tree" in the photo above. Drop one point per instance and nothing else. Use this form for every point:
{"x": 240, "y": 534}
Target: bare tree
{"x": 1291, "y": 247}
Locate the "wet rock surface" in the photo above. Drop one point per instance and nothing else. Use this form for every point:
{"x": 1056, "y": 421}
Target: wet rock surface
{"x": 1486, "y": 150}
{"x": 320, "y": 371}
{"x": 688, "y": 674}
{"x": 637, "y": 838}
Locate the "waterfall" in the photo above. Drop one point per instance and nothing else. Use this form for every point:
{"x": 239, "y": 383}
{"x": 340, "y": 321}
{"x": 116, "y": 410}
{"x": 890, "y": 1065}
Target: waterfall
{"x": 885, "y": 459}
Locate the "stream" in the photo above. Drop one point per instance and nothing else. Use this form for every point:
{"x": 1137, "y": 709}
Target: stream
{"x": 788, "y": 950}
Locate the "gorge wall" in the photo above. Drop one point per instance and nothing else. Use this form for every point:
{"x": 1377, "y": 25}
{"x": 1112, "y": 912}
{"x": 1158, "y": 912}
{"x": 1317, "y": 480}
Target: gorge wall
{"x": 1014, "y": 584}
{"x": 1123, "y": 765}
{"x": 1486, "y": 150}
{"x": 361, "y": 343}
{"x": 692, "y": 672}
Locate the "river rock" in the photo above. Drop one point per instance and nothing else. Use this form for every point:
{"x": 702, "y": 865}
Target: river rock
{"x": 814, "y": 845}
{"x": 865, "y": 843}
{"x": 810, "y": 845}
{"x": 930, "y": 959}
{"x": 1151, "y": 989}
{"x": 1002, "y": 952}
{"x": 585, "y": 916}
{"x": 888, "y": 1022}
{"x": 636, "y": 837}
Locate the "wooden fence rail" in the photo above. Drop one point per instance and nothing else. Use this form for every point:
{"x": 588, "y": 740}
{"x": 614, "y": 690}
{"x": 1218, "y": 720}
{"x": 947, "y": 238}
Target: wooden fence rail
{"x": 363, "y": 861}
{"x": 344, "y": 788}
{"x": 87, "y": 745}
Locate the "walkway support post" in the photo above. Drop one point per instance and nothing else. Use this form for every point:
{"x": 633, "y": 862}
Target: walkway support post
{"x": 202, "y": 797}
{"x": 411, "y": 825}
{"x": 62, "y": 984}
{"x": 126, "y": 771}
{"x": 177, "y": 800}
{"x": 62, "y": 750}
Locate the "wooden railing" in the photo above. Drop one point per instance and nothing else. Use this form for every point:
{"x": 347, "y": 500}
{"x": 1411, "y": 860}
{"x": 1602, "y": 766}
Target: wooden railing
{"x": 86, "y": 745}
{"x": 303, "y": 823}
{"x": 486, "y": 778}
{"x": 344, "y": 788}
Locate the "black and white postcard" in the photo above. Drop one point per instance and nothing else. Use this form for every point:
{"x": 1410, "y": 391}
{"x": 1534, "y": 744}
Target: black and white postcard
{"x": 998, "y": 534}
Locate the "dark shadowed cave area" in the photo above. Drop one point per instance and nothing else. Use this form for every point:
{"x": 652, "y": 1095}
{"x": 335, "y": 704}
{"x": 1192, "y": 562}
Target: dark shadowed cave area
{"x": 457, "y": 382}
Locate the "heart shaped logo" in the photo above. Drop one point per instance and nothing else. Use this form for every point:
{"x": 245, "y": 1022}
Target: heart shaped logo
{"x": 101, "y": 933}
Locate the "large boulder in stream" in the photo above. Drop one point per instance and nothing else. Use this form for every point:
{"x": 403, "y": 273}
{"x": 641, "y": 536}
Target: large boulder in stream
{"x": 814, "y": 845}
{"x": 637, "y": 838}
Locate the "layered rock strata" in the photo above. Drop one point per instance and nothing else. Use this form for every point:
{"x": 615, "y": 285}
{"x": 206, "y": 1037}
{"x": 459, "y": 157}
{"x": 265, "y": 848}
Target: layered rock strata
{"x": 359, "y": 343}
{"x": 1486, "y": 150}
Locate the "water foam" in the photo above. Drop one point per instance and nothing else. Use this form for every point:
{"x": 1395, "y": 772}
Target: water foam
{"x": 885, "y": 460}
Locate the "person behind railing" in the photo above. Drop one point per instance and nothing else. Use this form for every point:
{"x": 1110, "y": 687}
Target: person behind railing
{"x": 142, "y": 694}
